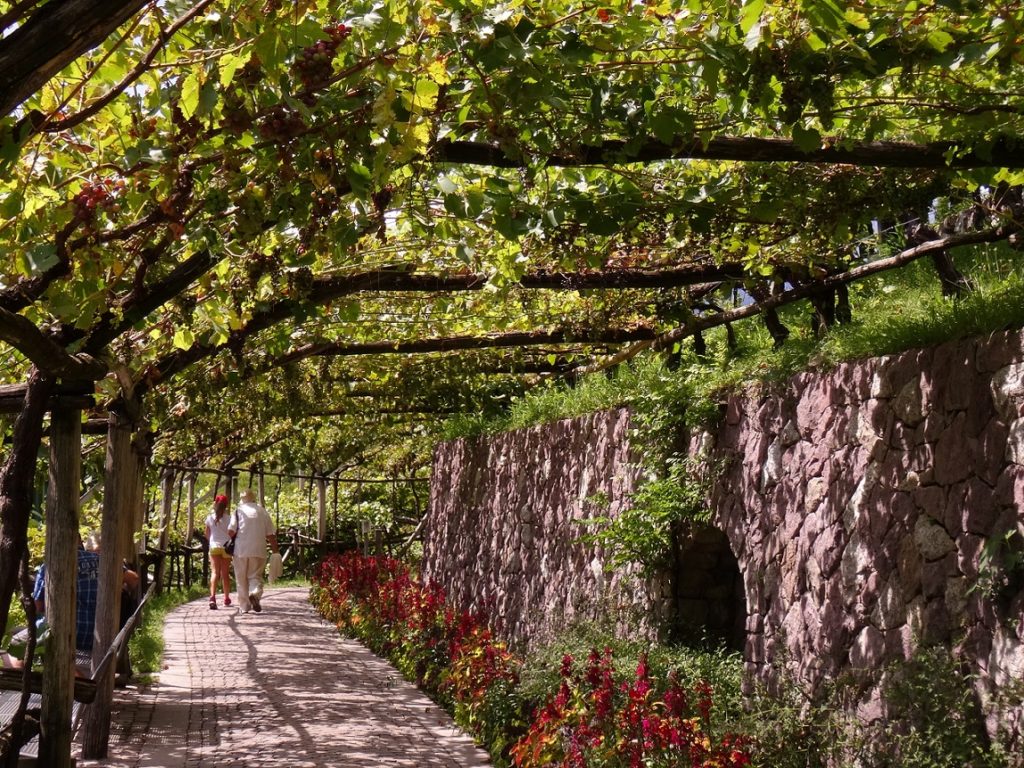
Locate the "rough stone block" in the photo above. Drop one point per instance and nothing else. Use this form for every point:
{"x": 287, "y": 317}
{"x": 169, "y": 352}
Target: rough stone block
{"x": 881, "y": 384}
{"x": 978, "y": 509}
{"x": 891, "y": 610}
{"x": 827, "y": 549}
{"x": 902, "y": 437}
{"x": 969, "y": 549}
{"x": 959, "y": 372}
{"x": 977, "y": 644}
{"x": 836, "y": 627}
{"x": 1006, "y": 661}
{"x": 922, "y": 459}
{"x": 981, "y": 409}
{"x": 899, "y": 643}
{"x": 1015, "y": 442}
{"x": 868, "y": 649}
{"x": 936, "y": 626}
{"x": 767, "y": 415}
{"x": 856, "y": 563}
{"x": 935, "y": 573}
{"x": 953, "y": 453}
{"x": 1007, "y": 388}
{"x": 989, "y": 451}
{"x": 931, "y": 539}
{"x": 860, "y": 382}
{"x": 790, "y": 434}
{"x": 931, "y": 500}
{"x": 1009, "y": 489}
{"x": 814, "y": 493}
{"x": 931, "y": 427}
{"x": 902, "y": 513}
{"x": 956, "y": 600}
{"x": 908, "y": 564}
{"x": 910, "y": 405}
{"x": 998, "y": 350}
{"x": 771, "y": 471}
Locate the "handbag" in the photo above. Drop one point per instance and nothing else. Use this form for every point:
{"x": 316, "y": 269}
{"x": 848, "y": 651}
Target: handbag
{"x": 229, "y": 546}
{"x": 275, "y": 567}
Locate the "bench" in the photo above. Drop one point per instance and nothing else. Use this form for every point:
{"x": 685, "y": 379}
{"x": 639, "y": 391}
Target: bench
{"x": 12, "y": 683}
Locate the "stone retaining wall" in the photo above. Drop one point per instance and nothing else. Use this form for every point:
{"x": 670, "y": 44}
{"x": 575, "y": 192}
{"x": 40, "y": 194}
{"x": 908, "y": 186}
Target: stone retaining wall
{"x": 857, "y": 503}
{"x": 504, "y": 532}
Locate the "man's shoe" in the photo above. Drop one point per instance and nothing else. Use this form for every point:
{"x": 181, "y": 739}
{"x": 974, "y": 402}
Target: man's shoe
{"x": 254, "y": 599}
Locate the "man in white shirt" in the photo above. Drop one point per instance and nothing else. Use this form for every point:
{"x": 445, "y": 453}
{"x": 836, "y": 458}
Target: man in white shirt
{"x": 252, "y": 529}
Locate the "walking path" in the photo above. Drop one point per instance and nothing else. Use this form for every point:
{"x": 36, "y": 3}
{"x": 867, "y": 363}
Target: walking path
{"x": 277, "y": 688}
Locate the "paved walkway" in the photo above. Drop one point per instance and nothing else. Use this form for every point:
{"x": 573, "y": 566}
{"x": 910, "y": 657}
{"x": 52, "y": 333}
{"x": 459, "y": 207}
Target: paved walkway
{"x": 278, "y": 688}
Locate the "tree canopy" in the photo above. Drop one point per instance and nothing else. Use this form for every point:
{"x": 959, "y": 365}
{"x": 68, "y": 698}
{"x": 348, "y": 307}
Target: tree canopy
{"x": 301, "y": 230}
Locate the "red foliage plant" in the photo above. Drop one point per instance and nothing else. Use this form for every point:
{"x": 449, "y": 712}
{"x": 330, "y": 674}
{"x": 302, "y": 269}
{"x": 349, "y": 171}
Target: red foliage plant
{"x": 591, "y": 722}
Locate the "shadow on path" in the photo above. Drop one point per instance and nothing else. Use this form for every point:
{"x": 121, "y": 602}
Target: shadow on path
{"x": 279, "y": 688}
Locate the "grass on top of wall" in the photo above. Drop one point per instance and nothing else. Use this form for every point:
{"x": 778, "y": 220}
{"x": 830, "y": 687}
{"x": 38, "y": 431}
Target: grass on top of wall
{"x": 892, "y": 312}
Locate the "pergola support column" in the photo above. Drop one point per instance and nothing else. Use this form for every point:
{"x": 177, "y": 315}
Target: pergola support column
{"x": 61, "y": 574}
{"x": 121, "y": 469}
{"x": 166, "y": 505}
{"x": 321, "y": 498}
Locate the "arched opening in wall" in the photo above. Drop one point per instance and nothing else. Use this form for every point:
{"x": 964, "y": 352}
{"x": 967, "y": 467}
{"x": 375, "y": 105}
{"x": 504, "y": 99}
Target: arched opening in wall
{"x": 709, "y": 599}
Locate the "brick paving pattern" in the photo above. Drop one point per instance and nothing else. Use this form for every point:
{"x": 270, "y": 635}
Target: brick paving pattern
{"x": 278, "y": 688}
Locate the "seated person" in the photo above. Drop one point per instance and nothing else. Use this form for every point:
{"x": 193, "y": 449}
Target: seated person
{"x": 86, "y": 594}
{"x": 14, "y": 654}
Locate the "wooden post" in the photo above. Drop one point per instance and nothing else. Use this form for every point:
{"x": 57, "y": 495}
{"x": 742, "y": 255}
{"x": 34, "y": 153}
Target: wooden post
{"x": 191, "y": 508}
{"x": 364, "y": 530}
{"x": 140, "y": 502}
{"x": 262, "y": 486}
{"x": 321, "y": 498}
{"x": 191, "y": 529}
{"x": 334, "y": 523}
{"x": 166, "y": 505}
{"x": 120, "y": 470}
{"x": 206, "y": 543}
{"x": 61, "y": 558}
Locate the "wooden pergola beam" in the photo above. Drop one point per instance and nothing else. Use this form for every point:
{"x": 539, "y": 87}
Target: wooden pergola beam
{"x": 76, "y": 395}
{"x": 938, "y": 155}
{"x": 52, "y": 38}
{"x": 288, "y": 475}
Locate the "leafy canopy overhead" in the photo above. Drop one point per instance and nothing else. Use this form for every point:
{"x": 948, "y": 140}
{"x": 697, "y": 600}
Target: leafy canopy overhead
{"x": 221, "y": 183}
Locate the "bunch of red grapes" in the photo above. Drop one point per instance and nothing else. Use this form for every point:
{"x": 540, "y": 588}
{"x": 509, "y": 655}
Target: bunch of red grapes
{"x": 97, "y": 196}
{"x": 281, "y": 124}
{"x": 315, "y": 65}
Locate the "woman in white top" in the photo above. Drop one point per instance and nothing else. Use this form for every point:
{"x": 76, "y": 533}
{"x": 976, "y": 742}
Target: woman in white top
{"x": 220, "y": 561}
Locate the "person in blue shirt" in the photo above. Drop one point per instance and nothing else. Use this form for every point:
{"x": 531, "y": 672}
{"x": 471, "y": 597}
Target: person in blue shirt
{"x": 86, "y": 594}
{"x": 86, "y": 598}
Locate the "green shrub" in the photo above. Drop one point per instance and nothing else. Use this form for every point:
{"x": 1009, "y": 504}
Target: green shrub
{"x": 931, "y": 720}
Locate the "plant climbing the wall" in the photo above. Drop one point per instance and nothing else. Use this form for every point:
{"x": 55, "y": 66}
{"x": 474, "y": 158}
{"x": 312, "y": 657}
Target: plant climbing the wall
{"x": 644, "y": 532}
{"x": 1001, "y": 566}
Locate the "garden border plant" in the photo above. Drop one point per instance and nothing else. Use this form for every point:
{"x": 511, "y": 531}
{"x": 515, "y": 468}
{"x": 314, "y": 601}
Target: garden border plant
{"x": 589, "y": 700}
{"x": 595, "y": 718}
